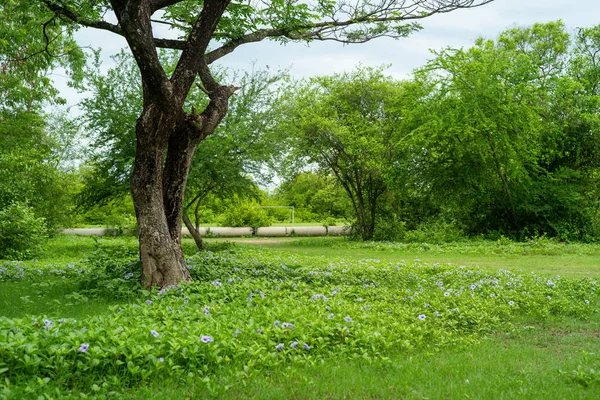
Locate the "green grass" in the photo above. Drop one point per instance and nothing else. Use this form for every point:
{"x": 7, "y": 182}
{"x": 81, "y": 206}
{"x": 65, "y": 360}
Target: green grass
{"x": 528, "y": 354}
{"x": 567, "y": 260}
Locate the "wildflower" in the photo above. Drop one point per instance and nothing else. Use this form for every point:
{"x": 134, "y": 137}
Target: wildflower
{"x": 455, "y": 309}
{"x": 347, "y": 319}
{"x": 277, "y": 323}
{"x": 206, "y": 310}
{"x": 148, "y": 302}
{"x": 492, "y": 295}
{"x": 472, "y": 287}
{"x": 306, "y": 346}
{"x": 259, "y": 331}
{"x": 587, "y": 302}
{"x": 279, "y": 346}
{"x": 446, "y": 294}
{"x": 206, "y": 339}
{"x": 84, "y": 347}
{"x": 294, "y": 345}
{"x": 217, "y": 283}
{"x": 230, "y": 280}
{"x": 549, "y": 297}
{"x": 285, "y": 325}
{"x": 327, "y": 308}
{"x": 330, "y": 316}
{"x": 83, "y": 329}
{"x": 422, "y": 317}
{"x": 262, "y": 295}
{"x": 154, "y": 333}
{"x": 511, "y": 303}
{"x": 427, "y": 305}
{"x": 161, "y": 359}
{"x": 237, "y": 332}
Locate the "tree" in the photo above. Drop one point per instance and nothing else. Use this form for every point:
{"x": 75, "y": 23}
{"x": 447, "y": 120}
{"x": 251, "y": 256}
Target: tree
{"x": 497, "y": 131}
{"x": 167, "y": 135}
{"x": 343, "y": 124}
{"x": 223, "y": 165}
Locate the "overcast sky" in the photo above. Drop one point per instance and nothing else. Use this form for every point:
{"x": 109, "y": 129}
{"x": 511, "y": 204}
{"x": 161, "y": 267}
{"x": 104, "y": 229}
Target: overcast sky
{"x": 455, "y": 29}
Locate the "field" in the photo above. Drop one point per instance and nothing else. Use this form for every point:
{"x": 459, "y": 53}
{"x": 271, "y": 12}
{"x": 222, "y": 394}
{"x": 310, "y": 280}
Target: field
{"x": 305, "y": 318}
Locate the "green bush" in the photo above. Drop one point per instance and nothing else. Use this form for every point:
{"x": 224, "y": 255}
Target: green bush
{"x": 242, "y": 216}
{"x": 21, "y": 232}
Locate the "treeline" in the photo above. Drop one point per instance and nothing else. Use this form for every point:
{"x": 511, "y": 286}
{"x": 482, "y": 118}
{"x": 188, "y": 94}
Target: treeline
{"x": 500, "y": 139}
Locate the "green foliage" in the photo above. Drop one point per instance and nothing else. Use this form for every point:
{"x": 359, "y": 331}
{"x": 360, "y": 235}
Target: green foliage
{"x": 252, "y": 311}
{"x": 343, "y": 124}
{"x": 315, "y": 197}
{"x": 243, "y": 214}
{"x": 22, "y": 234}
{"x": 503, "y": 136}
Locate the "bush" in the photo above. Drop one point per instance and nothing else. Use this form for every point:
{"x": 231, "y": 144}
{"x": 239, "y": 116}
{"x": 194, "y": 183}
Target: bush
{"x": 245, "y": 216}
{"x": 21, "y": 232}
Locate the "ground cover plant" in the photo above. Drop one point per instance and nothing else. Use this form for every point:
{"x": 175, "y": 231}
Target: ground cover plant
{"x": 255, "y": 317}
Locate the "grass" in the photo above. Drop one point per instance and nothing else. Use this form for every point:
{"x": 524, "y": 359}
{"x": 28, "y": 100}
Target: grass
{"x": 567, "y": 260}
{"x": 527, "y": 355}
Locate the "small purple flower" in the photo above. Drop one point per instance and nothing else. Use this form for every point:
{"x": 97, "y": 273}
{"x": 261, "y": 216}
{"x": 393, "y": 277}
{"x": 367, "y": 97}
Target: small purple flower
{"x": 84, "y": 347}
{"x": 330, "y": 316}
{"x": 492, "y": 295}
{"x": 306, "y": 346}
{"x": 83, "y": 329}
{"x": 446, "y": 294}
{"x": 294, "y": 345}
{"x": 511, "y": 303}
{"x": 148, "y": 302}
{"x": 154, "y": 333}
{"x": 327, "y": 308}
{"x": 206, "y": 339}
{"x": 259, "y": 331}
{"x": 279, "y": 346}
{"x": 262, "y": 295}
{"x": 217, "y": 283}
{"x": 422, "y": 317}
{"x": 277, "y": 323}
{"x": 285, "y": 325}
{"x": 347, "y": 319}
{"x": 237, "y": 332}
{"x": 161, "y": 359}
{"x": 206, "y": 310}
{"x": 587, "y": 301}
{"x": 472, "y": 287}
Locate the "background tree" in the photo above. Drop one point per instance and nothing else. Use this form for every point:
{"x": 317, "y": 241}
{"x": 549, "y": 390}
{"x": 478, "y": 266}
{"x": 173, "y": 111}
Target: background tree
{"x": 490, "y": 131}
{"x": 167, "y": 134}
{"x": 343, "y": 124}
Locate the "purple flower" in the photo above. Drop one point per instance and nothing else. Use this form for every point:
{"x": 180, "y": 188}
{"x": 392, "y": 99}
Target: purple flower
{"x": 206, "y": 310}
{"x": 217, "y": 283}
{"x": 161, "y": 359}
{"x": 206, "y": 339}
{"x": 306, "y": 346}
{"x": 294, "y": 345}
{"x": 279, "y": 346}
{"x": 511, "y": 303}
{"x": 285, "y": 325}
{"x": 154, "y": 333}
{"x": 84, "y": 347}
{"x": 446, "y": 294}
{"x": 148, "y": 302}
{"x": 330, "y": 316}
{"x": 237, "y": 332}
{"x": 422, "y": 317}
{"x": 277, "y": 323}
{"x": 348, "y": 319}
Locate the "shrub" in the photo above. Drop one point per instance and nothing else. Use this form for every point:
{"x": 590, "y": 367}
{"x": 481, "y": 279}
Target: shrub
{"x": 21, "y": 232}
{"x": 245, "y": 216}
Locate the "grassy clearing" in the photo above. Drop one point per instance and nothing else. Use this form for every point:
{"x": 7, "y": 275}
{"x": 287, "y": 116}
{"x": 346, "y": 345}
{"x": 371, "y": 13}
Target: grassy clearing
{"x": 543, "y": 256}
{"x": 295, "y": 321}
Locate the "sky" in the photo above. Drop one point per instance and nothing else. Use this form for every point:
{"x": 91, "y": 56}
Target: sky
{"x": 455, "y": 29}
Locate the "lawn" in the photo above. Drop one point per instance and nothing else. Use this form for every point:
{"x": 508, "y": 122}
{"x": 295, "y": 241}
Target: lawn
{"x": 305, "y": 318}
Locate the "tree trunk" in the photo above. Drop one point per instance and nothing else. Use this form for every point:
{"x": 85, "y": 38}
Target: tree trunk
{"x": 193, "y": 230}
{"x": 161, "y": 255}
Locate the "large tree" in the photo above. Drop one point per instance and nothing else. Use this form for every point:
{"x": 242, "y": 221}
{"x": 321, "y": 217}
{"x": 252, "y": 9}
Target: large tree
{"x": 167, "y": 135}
